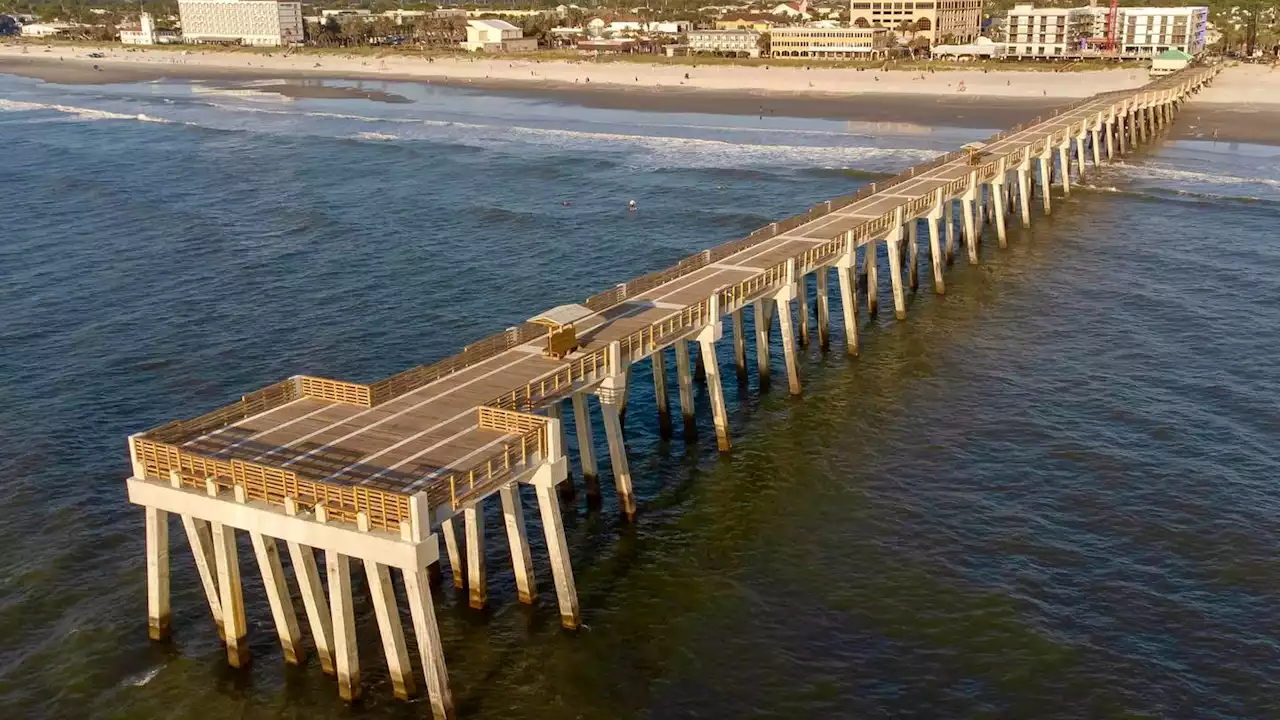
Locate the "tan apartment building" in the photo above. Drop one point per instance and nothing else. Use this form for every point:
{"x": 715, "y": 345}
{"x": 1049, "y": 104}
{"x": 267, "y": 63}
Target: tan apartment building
{"x": 829, "y": 43}
{"x": 952, "y": 21}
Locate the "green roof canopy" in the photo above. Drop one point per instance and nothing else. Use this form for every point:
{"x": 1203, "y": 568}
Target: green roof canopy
{"x": 1173, "y": 54}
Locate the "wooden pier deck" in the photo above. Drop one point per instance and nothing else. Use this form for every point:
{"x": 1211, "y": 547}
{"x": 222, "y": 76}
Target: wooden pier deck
{"x": 397, "y": 460}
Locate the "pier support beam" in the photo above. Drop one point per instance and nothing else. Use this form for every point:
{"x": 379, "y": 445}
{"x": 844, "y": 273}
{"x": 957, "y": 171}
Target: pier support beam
{"x": 802, "y": 310}
{"x": 586, "y": 445}
{"x": 234, "y": 626}
{"x": 1024, "y": 194}
{"x": 384, "y": 608}
{"x": 455, "y": 552}
{"x": 1064, "y": 164}
{"x": 477, "y": 585}
{"x": 893, "y": 247}
{"x": 970, "y": 222}
{"x": 1044, "y": 182}
{"x": 740, "y": 346}
{"x": 345, "y": 654}
{"x": 913, "y": 254}
{"x": 783, "y": 300}
{"x": 871, "y": 278}
{"x": 558, "y": 549}
{"x": 319, "y": 618}
{"x": 1094, "y": 137}
{"x": 763, "y": 322}
{"x": 935, "y": 248}
{"x": 845, "y": 269}
{"x": 278, "y": 596}
{"x": 158, "y": 594}
{"x": 1081, "y": 139}
{"x": 618, "y": 457}
{"x": 684, "y": 377}
{"x": 949, "y": 226}
{"x": 518, "y": 539}
{"x": 715, "y": 387}
{"x": 998, "y": 197}
{"x": 555, "y": 411}
{"x": 823, "y": 304}
{"x": 1109, "y": 129}
{"x": 425, "y": 629}
{"x": 660, "y": 393}
{"x": 200, "y": 538}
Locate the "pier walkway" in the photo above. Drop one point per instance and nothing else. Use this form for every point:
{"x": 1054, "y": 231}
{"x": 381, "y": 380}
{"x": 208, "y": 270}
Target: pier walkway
{"x": 377, "y": 472}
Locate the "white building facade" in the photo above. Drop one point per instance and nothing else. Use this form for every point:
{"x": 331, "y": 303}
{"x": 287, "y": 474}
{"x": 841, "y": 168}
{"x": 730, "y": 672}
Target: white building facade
{"x": 1047, "y": 33}
{"x": 260, "y": 23}
{"x": 737, "y": 43}
{"x": 497, "y": 36}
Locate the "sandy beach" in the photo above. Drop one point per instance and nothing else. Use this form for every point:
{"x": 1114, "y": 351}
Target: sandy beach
{"x": 1243, "y": 105}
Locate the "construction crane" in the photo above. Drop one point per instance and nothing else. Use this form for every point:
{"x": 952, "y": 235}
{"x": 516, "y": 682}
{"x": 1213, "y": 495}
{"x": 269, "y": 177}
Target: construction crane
{"x": 1108, "y": 42}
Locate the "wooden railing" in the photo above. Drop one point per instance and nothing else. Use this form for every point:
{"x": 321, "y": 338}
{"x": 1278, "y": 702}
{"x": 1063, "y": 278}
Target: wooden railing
{"x": 335, "y": 390}
{"x": 529, "y": 447}
{"x": 384, "y": 509}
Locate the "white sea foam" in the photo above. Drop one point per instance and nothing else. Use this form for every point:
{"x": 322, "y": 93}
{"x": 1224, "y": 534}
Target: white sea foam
{"x": 1156, "y": 172}
{"x": 146, "y": 677}
{"x": 375, "y": 136}
{"x": 79, "y": 113}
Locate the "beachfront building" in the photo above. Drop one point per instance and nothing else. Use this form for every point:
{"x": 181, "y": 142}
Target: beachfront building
{"x": 147, "y": 33}
{"x": 984, "y": 48}
{"x": 828, "y": 43}
{"x": 1169, "y": 61}
{"x": 759, "y": 23}
{"x": 497, "y": 36}
{"x": 727, "y": 43}
{"x": 45, "y": 30}
{"x": 939, "y": 21}
{"x": 260, "y": 23}
{"x": 1047, "y": 33}
{"x": 1150, "y": 31}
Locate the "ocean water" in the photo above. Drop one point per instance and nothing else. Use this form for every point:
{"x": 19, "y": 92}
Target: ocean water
{"x": 1049, "y": 493}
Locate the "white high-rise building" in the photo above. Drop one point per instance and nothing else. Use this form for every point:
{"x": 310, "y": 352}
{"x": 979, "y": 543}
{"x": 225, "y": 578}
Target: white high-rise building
{"x": 262, "y": 23}
{"x": 1032, "y": 32}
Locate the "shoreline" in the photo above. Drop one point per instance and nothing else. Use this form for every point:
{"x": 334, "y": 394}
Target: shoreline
{"x": 1243, "y": 106}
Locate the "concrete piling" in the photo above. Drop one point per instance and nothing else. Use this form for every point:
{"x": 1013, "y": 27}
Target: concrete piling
{"x": 660, "y": 393}
{"x": 390, "y": 628}
{"x": 740, "y": 346}
{"x": 763, "y": 320}
{"x": 477, "y": 580}
{"x": 684, "y": 377}
{"x": 518, "y": 539}
{"x": 455, "y": 553}
{"x": 586, "y": 445}
{"x": 346, "y": 657}
{"x": 823, "y": 304}
{"x": 157, "y": 534}
{"x": 278, "y": 596}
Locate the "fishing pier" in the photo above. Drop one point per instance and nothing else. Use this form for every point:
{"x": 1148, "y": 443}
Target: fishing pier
{"x": 381, "y": 472}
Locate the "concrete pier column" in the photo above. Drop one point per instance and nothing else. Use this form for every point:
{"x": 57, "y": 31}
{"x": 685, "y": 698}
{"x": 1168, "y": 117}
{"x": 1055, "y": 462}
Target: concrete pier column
{"x": 1064, "y": 164}
{"x": 158, "y": 613}
{"x": 684, "y": 377}
{"x": 1094, "y": 137}
{"x": 455, "y": 552}
{"x": 200, "y": 539}
{"x": 623, "y": 391}
{"x": 345, "y": 655}
{"x": 699, "y": 371}
{"x": 715, "y": 393}
{"x": 314, "y": 602}
{"x": 823, "y": 304}
{"x": 871, "y": 278}
{"x": 586, "y": 444}
{"x": 763, "y": 322}
{"x": 426, "y": 631}
{"x": 555, "y": 411}
{"x": 740, "y": 345}
{"x": 788, "y": 345}
{"x": 949, "y": 225}
{"x": 518, "y": 539}
{"x": 913, "y": 254}
{"x": 234, "y": 626}
{"x": 558, "y": 549}
{"x": 1024, "y": 196}
{"x": 1080, "y": 143}
{"x": 477, "y": 582}
{"x": 935, "y": 258}
{"x": 618, "y": 456}
{"x": 660, "y": 392}
{"x": 389, "y": 627}
{"x": 893, "y": 247}
{"x": 802, "y": 300}
{"x": 970, "y": 230}
{"x": 278, "y": 596}
{"x": 1000, "y": 226}
{"x": 1110, "y": 131}
{"x": 1121, "y": 128}
{"x": 1044, "y": 182}
{"x": 845, "y": 276}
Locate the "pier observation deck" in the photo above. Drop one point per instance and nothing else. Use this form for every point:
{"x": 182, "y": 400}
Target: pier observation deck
{"x": 404, "y": 455}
